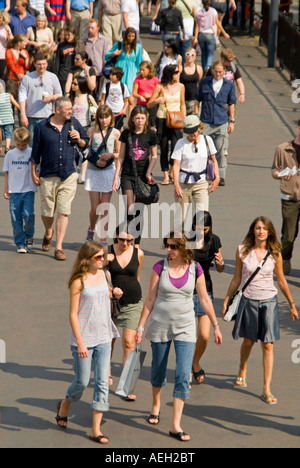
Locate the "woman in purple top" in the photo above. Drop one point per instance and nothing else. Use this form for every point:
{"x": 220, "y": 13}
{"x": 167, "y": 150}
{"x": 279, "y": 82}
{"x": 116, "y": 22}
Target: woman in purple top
{"x": 170, "y": 303}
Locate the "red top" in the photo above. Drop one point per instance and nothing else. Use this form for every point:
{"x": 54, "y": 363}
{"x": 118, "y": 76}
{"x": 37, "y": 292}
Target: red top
{"x": 15, "y": 66}
{"x": 145, "y": 86}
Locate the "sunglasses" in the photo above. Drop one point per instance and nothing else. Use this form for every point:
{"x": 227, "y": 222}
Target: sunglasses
{"x": 41, "y": 84}
{"x": 74, "y": 83}
{"x": 190, "y": 55}
{"x": 172, "y": 246}
{"x": 98, "y": 257}
{"x": 129, "y": 241}
{"x": 195, "y": 148}
{"x": 176, "y": 72}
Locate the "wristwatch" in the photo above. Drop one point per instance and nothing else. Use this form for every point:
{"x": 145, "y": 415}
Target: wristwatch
{"x": 232, "y": 120}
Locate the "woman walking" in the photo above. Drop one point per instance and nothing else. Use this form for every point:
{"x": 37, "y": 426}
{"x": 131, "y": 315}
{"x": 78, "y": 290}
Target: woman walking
{"x": 91, "y": 337}
{"x": 258, "y": 317}
{"x": 99, "y": 181}
{"x": 144, "y": 152}
{"x": 170, "y": 304}
{"x": 17, "y": 63}
{"x": 170, "y": 96}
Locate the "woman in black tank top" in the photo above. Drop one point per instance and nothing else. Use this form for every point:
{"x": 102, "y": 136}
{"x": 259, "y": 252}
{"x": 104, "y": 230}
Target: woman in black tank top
{"x": 124, "y": 267}
{"x": 190, "y": 77}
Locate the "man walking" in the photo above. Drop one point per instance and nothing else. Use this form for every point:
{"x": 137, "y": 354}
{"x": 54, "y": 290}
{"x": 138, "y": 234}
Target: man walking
{"x": 216, "y": 93}
{"x": 37, "y": 93}
{"x": 54, "y": 149}
{"x": 287, "y": 159}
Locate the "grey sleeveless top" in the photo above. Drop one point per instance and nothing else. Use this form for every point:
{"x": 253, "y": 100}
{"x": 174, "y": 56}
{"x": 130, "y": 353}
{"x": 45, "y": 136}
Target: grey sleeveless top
{"x": 173, "y": 317}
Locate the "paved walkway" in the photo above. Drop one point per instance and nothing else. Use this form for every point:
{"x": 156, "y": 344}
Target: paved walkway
{"x": 34, "y": 308}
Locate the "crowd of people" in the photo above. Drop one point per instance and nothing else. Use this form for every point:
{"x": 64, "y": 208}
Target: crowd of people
{"x": 70, "y": 89}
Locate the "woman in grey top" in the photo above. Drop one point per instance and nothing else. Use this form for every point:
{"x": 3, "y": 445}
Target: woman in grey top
{"x": 170, "y": 303}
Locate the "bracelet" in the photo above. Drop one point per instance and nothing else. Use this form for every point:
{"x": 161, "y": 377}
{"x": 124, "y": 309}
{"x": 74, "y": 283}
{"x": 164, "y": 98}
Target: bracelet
{"x": 232, "y": 120}
{"x": 293, "y": 302}
{"x": 216, "y": 325}
{"x": 140, "y": 329}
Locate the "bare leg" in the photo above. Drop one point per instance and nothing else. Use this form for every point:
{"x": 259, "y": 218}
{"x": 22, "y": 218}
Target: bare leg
{"x": 178, "y": 404}
{"x": 268, "y": 363}
{"x": 62, "y": 222}
{"x": 203, "y": 334}
{"x": 96, "y": 429}
{"x": 245, "y": 354}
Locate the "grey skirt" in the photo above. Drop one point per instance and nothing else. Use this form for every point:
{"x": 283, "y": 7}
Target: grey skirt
{"x": 257, "y": 320}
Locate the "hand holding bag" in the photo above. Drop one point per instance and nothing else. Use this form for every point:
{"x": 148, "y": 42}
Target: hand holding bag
{"x": 174, "y": 119}
{"x": 144, "y": 192}
{"x": 210, "y": 168}
{"x": 234, "y": 302}
{"x": 94, "y": 156}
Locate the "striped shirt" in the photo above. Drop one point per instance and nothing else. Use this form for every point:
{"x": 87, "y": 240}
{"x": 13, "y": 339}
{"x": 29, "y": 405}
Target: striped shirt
{"x": 59, "y": 7}
{"x": 6, "y": 113}
{"x": 94, "y": 316}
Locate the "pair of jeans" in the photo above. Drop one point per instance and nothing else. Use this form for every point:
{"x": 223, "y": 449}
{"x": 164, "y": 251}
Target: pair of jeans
{"x": 207, "y": 43}
{"x": 21, "y": 207}
{"x": 184, "y": 359}
{"x": 219, "y": 134}
{"x": 99, "y": 356}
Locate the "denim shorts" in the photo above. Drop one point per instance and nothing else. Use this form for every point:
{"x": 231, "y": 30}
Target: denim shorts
{"x": 8, "y": 130}
{"x": 198, "y": 309}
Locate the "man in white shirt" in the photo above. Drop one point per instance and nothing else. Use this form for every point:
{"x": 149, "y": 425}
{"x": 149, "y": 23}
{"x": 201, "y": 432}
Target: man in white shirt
{"x": 131, "y": 16}
{"x": 38, "y": 90}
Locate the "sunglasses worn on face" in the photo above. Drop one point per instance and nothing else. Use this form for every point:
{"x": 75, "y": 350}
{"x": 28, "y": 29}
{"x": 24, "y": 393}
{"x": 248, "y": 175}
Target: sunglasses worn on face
{"x": 190, "y": 55}
{"x": 172, "y": 246}
{"x": 98, "y": 257}
{"x": 125, "y": 240}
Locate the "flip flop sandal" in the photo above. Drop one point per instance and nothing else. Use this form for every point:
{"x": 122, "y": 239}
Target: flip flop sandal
{"x": 179, "y": 436}
{"x": 267, "y": 398}
{"x": 156, "y": 419}
{"x": 60, "y": 418}
{"x": 242, "y": 380}
{"x": 99, "y": 438}
{"x": 200, "y": 373}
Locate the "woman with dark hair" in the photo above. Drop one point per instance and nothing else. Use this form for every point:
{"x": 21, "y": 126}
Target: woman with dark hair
{"x": 170, "y": 303}
{"x": 82, "y": 69}
{"x": 258, "y": 317}
{"x": 170, "y": 95}
{"x": 144, "y": 152}
{"x": 171, "y": 22}
{"x": 129, "y": 57}
{"x": 169, "y": 56}
{"x": 125, "y": 262}
{"x": 65, "y": 56}
{"x": 208, "y": 251}
{"x": 99, "y": 182}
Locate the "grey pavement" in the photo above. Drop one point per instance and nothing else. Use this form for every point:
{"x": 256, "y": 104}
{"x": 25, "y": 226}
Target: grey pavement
{"x": 34, "y": 308}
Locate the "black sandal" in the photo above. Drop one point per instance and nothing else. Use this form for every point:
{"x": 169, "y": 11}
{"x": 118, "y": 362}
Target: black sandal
{"x": 60, "y": 418}
{"x": 179, "y": 436}
{"x": 99, "y": 438}
{"x": 200, "y": 373}
{"x": 155, "y": 417}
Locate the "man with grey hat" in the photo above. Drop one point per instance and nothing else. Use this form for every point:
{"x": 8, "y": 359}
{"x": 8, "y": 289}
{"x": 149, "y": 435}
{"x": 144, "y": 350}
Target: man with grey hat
{"x": 218, "y": 100}
{"x": 190, "y": 158}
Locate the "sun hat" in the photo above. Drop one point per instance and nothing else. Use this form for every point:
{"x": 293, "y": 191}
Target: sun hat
{"x": 191, "y": 124}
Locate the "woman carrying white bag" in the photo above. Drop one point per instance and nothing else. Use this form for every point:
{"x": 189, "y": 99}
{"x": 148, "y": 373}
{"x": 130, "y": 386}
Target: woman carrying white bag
{"x": 257, "y": 314}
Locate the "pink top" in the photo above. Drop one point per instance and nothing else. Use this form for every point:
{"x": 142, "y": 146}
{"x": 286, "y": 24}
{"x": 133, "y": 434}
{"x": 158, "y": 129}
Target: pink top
{"x": 262, "y": 287}
{"x": 206, "y": 19}
{"x": 145, "y": 86}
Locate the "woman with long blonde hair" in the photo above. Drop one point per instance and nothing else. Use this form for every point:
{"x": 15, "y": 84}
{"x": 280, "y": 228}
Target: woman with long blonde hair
{"x": 91, "y": 336}
{"x": 258, "y": 317}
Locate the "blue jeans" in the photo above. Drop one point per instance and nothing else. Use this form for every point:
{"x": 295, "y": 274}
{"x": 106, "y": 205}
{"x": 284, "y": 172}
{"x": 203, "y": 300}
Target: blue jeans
{"x": 21, "y": 207}
{"x": 184, "y": 358}
{"x": 100, "y": 357}
{"x": 207, "y": 43}
{"x": 199, "y": 312}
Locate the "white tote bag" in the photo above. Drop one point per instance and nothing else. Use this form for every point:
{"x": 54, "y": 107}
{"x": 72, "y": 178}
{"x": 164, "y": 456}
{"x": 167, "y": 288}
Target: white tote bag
{"x": 233, "y": 307}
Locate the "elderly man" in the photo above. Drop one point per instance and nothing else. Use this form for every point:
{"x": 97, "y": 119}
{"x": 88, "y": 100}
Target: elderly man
{"x": 96, "y": 46}
{"x": 287, "y": 159}
{"x": 110, "y": 20}
{"x": 54, "y": 149}
{"x": 38, "y": 90}
{"x": 79, "y": 13}
{"x": 21, "y": 20}
{"x": 218, "y": 100}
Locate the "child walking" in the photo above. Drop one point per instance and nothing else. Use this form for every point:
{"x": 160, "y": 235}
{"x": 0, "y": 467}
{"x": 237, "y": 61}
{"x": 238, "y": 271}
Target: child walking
{"x": 20, "y": 190}
{"x": 116, "y": 95}
{"x": 91, "y": 337}
{"x": 7, "y": 116}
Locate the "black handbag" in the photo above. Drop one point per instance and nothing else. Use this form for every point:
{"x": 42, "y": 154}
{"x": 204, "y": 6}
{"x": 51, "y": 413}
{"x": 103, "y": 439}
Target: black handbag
{"x": 114, "y": 303}
{"x": 94, "y": 156}
{"x": 109, "y": 64}
{"x": 144, "y": 192}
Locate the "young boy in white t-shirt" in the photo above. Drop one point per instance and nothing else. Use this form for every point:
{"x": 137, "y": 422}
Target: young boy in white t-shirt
{"x": 20, "y": 190}
{"x": 116, "y": 95}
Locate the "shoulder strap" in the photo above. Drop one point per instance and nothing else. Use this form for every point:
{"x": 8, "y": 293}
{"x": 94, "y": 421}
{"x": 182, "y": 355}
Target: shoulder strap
{"x": 256, "y": 271}
{"x": 187, "y": 7}
{"x": 107, "y": 89}
{"x": 132, "y": 154}
{"x": 207, "y": 146}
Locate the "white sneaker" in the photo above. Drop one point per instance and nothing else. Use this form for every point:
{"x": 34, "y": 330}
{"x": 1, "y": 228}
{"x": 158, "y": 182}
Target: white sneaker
{"x": 29, "y": 244}
{"x": 21, "y": 250}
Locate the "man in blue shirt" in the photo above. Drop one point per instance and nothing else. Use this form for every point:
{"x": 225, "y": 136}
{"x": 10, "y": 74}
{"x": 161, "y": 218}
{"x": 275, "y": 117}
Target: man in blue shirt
{"x": 79, "y": 13}
{"x": 53, "y": 148}
{"x": 21, "y": 20}
{"x": 218, "y": 100}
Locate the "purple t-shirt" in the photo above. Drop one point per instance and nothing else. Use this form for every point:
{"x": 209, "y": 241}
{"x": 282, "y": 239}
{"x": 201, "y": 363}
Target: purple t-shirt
{"x": 177, "y": 282}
